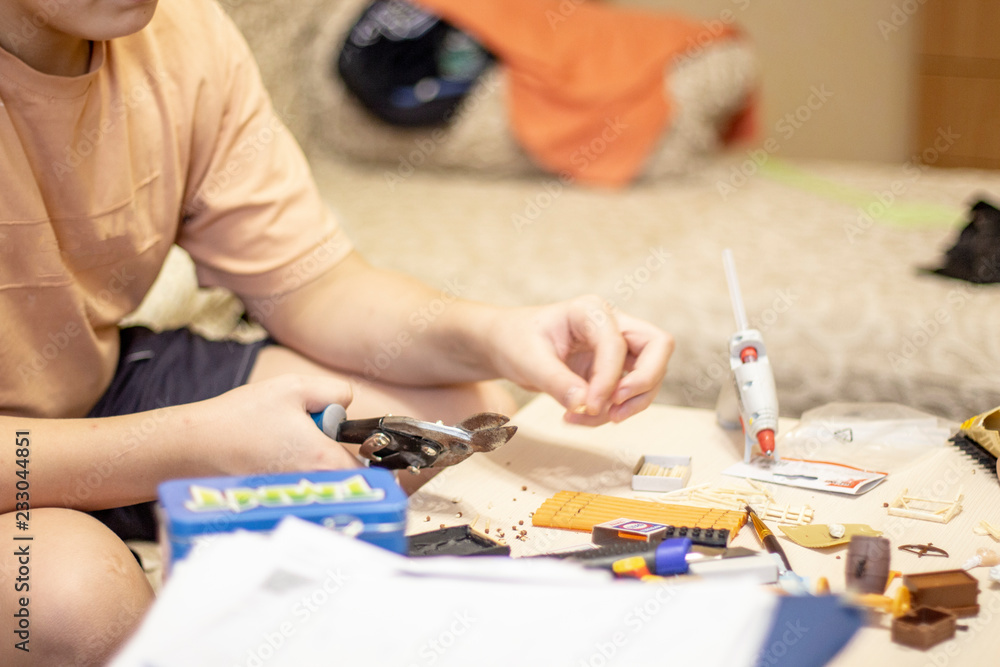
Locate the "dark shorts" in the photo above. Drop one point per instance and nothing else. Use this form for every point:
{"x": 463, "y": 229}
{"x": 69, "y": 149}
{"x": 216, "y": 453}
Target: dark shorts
{"x": 156, "y": 370}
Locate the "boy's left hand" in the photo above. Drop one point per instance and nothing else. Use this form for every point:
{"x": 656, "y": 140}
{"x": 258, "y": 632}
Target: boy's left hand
{"x": 600, "y": 364}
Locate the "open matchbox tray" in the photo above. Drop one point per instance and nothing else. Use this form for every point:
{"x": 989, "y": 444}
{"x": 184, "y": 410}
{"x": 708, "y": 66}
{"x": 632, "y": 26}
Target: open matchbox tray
{"x": 680, "y": 465}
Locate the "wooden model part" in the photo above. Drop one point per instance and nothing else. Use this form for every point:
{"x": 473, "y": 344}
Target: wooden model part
{"x": 583, "y": 511}
{"x": 734, "y": 498}
{"x": 653, "y": 470}
{"x": 956, "y": 591}
{"x": 787, "y": 515}
{"x": 986, "y": 528}
{"x": 925, "y": 509}
{"x": 722, "y": 496}
{"x": 923, "y": 628}
{"x": 867, "y": 567}
{"x": 660, "y": 474}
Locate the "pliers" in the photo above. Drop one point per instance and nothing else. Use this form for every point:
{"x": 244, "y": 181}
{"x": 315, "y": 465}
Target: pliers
{"x": 396, "y": 443}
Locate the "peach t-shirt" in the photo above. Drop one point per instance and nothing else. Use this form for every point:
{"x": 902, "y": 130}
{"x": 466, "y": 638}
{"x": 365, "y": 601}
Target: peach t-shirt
{"x": 170, "y": 137}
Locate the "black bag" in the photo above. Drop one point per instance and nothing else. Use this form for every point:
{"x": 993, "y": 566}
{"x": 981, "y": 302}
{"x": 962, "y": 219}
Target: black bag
{"x": 409, "y": 67}
{"x": 975, "y": 256}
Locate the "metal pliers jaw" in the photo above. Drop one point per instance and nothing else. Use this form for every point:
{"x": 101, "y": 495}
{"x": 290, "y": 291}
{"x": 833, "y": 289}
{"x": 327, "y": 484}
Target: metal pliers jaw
{"x": 396, "y": 443}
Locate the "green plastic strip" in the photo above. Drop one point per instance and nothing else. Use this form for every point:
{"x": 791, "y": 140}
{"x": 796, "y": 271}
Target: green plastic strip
{"x": 882, "y": 207}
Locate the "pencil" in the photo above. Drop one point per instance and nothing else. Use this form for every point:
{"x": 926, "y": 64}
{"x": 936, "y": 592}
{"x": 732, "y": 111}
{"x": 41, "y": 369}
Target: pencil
{"x": 767, "y": 538}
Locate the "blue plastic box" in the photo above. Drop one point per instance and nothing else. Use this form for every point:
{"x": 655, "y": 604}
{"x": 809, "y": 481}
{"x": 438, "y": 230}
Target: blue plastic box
{"x": 365, "y": 502}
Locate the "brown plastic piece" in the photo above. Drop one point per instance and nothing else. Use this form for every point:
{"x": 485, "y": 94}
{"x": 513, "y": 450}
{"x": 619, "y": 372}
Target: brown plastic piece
{"x": 951, "y": 590}
{"x": 867, "y": 568}
{"x": 923, "y": 628}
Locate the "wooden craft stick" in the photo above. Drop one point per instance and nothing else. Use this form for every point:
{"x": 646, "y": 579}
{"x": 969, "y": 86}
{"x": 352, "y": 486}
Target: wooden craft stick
{"x": 577, "y": 504}
{"x": 653, "y": 470}
{"x": 601, "y": 515}
{"x": 637, "y": 506}
{"x": 582, "y": 511}
{"x": 986, "y": 528}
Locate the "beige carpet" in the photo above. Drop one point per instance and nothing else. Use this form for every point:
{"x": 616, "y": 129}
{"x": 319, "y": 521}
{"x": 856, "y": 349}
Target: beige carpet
{"x": 833, "y": 286}
{"x": 843, "y": 309}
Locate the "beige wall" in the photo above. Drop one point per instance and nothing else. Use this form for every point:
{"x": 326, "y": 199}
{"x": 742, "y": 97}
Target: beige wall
{"x": 858, "y": 53}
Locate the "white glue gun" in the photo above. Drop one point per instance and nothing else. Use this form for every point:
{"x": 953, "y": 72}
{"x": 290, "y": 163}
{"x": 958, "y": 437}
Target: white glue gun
{"x": 750, "y": 400}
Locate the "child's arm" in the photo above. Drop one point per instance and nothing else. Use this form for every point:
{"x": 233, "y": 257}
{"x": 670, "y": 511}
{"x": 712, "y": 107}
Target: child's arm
{"x": 601, "y": 365}
{"x": 91, "y": 464}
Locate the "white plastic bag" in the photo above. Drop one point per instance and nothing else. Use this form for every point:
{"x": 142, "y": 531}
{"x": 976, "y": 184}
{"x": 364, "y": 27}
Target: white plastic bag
{"x": 887, "y": 437}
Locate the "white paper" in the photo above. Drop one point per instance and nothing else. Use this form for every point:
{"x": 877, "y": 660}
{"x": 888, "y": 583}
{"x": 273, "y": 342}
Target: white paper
{"x": 305, "y": 595}
{"x": 818, "y": 475}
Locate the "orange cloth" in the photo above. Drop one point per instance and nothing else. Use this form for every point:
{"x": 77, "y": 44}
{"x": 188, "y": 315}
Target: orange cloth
{"x": 169, "y": 138}
{"x": 586, "y": 80}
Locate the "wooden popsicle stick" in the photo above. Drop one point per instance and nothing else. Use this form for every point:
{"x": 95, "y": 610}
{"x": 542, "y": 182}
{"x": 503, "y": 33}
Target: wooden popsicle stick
{"x": 639, "y": 515}
{"x": 635, "y": 506}
{"x": 646, "y": 507}
{"x": 581, "y": 511}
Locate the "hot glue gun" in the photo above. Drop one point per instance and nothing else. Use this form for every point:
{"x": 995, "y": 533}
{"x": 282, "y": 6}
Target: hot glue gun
{"x": 750, "y": 400}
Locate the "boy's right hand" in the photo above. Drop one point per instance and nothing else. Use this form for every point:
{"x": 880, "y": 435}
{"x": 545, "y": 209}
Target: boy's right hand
{"x": 265, "y": 427}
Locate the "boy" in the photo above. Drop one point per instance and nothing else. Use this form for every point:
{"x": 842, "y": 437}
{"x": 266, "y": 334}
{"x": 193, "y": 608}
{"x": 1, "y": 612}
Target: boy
{"x": 121, "y": 133}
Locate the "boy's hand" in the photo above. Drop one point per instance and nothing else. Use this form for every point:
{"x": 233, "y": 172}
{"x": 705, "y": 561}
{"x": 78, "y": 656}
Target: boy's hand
{"x": 265, "y": 427}
{"x": 600, "y": 364}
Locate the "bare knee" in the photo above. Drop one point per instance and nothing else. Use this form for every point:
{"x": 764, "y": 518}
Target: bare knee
{"x": 78, "y": 588}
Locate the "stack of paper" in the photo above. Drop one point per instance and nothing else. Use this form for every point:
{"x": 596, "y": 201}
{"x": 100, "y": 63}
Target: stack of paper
{"x": 305, "y": 595}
